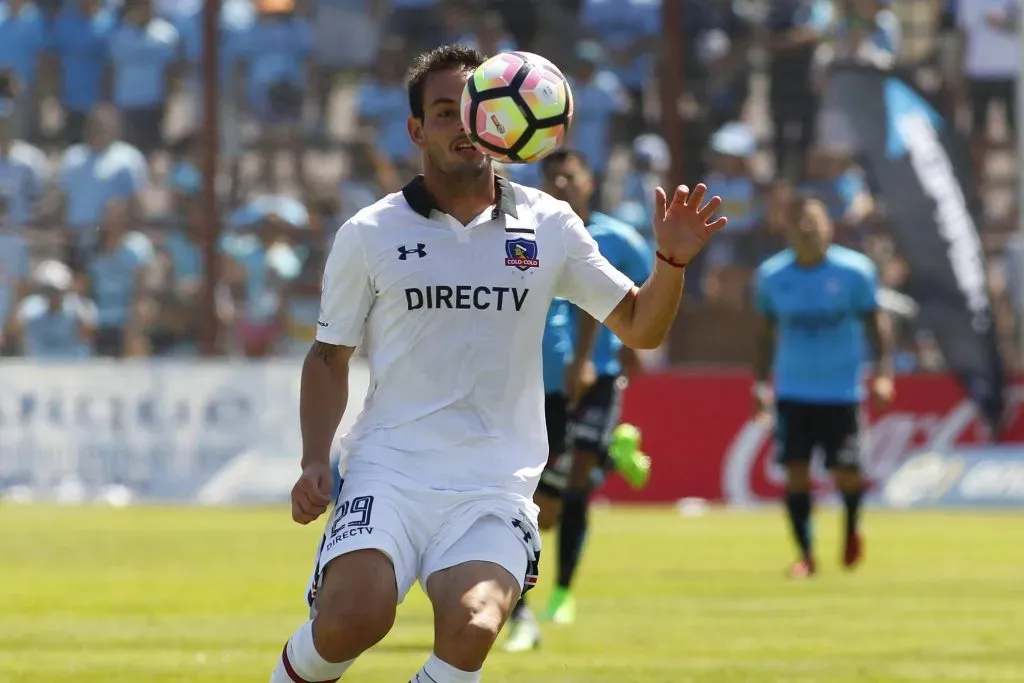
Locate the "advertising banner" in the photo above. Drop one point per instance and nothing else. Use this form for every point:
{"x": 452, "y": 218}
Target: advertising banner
{"x": 991, "y": 476}
{"x": 697, "y": 431}
{"x": 210, "y": 432}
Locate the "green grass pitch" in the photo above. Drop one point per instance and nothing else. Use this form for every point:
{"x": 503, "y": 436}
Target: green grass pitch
{"x": 97, "y": 595}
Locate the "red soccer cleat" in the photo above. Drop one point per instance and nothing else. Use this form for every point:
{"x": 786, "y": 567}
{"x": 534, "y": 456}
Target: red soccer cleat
{"x": 854, "y": 551}
{"x": 802, "y": 569}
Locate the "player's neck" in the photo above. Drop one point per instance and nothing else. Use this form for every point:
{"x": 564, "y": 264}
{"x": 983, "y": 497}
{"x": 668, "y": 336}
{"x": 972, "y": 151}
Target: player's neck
{"x": 810, "y": 261}
{"x": 462, "y": 198}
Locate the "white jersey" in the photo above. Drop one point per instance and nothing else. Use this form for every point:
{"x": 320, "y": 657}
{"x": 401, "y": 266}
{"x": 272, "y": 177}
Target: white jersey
{"x": 452, "y": 317}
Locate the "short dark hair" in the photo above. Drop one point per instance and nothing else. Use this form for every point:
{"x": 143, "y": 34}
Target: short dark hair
{"x": 560, "y": 156}
{"x": 442, "y": 58}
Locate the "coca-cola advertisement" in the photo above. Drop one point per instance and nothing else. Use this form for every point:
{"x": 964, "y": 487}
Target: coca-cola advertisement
{"x": 702, "y": 444}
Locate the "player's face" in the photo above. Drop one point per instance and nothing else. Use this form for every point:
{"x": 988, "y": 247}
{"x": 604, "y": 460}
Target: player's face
{"x": 571, "y": 182}
{"x": 811, "y": 231}
{"x": 440, "y": 134}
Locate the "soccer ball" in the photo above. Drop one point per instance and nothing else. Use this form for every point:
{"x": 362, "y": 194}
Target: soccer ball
{"x": 517, "y": 107}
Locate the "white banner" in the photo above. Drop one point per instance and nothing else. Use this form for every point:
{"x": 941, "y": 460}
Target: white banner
{"x": 200, "y": 431}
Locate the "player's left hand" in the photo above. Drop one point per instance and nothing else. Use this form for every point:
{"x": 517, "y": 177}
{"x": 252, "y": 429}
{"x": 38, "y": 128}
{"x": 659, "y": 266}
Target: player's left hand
{"x": 683, "y": 227}
{"x": 883, "y": 391}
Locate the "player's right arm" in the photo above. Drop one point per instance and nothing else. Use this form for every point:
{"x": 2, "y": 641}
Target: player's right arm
{"x": 345, "y": 302}
{"x": 764, "y": 352}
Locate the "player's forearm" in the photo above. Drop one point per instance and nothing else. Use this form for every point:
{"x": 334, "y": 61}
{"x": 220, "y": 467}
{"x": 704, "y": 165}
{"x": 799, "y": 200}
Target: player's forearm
{"x": 586, "y": 334}
{"x": 654, "y": 308}
{"x": 878, "y": 328}
{"x": 323, "y": 396}
{"x": 764, "y": 351}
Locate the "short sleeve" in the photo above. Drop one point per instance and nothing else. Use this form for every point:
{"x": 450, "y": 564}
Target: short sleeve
{"x": 762, "y": 300}
{"x": 588, "y": 279}
{"x": 866, "y": 292}
{"x": 347, "y": 293}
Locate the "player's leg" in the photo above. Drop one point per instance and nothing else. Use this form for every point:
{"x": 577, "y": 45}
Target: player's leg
{"x": 843, "y": 458}
{"x": 589, "y": 433}
{"x": 794, "y": 444}
{"x": 524, "y": 631}
{"x": 478, "y": 580}
{"x": 365, "y": 565}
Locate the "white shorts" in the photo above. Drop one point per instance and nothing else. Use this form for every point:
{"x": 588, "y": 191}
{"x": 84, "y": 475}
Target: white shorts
{"x": 426, "y": 530}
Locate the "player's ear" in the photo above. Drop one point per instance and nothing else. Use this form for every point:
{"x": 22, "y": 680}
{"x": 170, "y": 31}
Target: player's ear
{"x": 415, "y": 127}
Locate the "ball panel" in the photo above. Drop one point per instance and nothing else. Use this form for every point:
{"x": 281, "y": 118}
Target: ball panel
{"x": 543, "y": 94}
{"x": 542, "y": 142}
{"x": 497, "y": 72}
{"x": 500, "y": 123}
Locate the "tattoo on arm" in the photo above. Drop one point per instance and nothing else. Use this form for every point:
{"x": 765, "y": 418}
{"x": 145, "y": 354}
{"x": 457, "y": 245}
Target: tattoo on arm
{"x": 764, "y": 351}
{"x": 325, "y": 352}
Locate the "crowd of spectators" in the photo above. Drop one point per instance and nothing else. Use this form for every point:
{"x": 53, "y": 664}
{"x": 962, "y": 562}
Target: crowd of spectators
{"x": 101, "y": 225}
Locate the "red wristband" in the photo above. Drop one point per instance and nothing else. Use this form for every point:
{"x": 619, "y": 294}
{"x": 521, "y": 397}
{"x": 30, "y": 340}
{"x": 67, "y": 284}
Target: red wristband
{"x": 669, "y": 261}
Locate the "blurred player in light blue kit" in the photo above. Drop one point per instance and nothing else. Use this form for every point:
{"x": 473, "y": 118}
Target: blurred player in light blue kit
{"x": 583, "y": 379}
{"x": 818, "y": 304}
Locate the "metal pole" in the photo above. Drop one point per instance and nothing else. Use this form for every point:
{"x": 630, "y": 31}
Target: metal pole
{"x": 672, "y": 89}
{"x": 1018, "y": 15}
{"x": 209, "y": 329}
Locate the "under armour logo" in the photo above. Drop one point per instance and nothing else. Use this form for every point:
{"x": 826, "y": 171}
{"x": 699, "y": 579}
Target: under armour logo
{"x": 420, "y": 250}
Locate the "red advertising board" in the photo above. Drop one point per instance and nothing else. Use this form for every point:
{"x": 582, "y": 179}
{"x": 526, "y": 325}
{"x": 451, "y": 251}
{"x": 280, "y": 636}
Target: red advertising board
{"x": 697, "y": 432}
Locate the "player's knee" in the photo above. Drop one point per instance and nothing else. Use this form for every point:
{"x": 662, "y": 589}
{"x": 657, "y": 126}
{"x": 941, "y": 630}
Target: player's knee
{"x": 343, "y": 634}
{"x": 798, "y": 477}
{"x": 848, "y": 479}
{"x": 348, "y": 621}
{"x": 469, "y": 634}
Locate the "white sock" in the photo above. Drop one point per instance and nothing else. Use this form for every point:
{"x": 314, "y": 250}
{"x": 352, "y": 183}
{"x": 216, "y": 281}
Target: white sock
{"x": 301, "y": 663}
{"x": 437, "y": 671}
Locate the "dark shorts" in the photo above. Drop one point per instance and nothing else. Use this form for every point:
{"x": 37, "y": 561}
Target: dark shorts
{"x": 556, "y": 416}
{"x": 835, "y": 428}
{"x": 144, "y": 128}
{"x": 109, "y": 342}
{"x": 597, "y": 416}
{"x": 589, "y": 429}
{"x": 983, "y": 94}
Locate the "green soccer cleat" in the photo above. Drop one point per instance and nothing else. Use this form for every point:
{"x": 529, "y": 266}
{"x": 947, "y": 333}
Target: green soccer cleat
{"x": 561, "y": 607}
{"x": 629, "y": 460}
{"x": 523, "y": 635}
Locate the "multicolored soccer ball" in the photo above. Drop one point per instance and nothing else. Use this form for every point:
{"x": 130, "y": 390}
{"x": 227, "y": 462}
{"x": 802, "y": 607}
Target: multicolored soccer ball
{"x": 517, "y": 107}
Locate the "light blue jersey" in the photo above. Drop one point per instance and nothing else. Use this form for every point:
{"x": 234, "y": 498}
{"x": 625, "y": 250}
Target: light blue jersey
{"x": 626, "y": 249}
{"x": 114, "y": 276}
{"x": 556, "y": 348}
{"x": 54, "y": 333}
{"x": 818, "y": 313}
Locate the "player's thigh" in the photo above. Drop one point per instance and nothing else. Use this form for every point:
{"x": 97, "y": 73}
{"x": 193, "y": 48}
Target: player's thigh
{"x": 474, "y": 586}
{"x": 794, "y": 439}
{"x": 842, "y": 437}
{"x": 367, "y": 534}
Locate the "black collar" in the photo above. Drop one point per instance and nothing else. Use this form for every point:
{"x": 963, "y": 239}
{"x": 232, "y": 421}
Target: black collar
{"x": 421, "y": 201}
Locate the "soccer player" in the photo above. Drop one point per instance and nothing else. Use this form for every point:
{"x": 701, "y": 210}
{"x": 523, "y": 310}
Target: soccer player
{"x": 447, "y": 284}
{"x": 818, "y": 301}
{"x": 557, "y": 363}
{"x": 595, "y": 412}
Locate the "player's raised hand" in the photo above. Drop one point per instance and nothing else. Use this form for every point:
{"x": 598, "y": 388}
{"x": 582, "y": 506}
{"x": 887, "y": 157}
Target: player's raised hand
{"x": 683, "y": 226}
{"x": 312, "y": 492}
